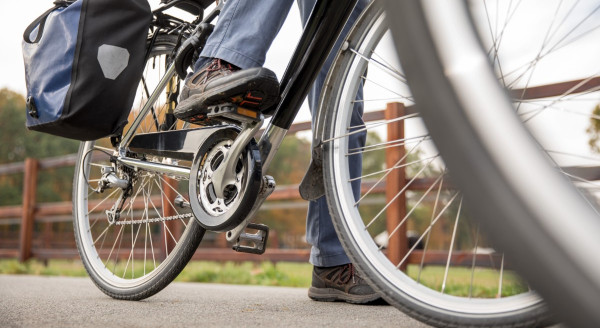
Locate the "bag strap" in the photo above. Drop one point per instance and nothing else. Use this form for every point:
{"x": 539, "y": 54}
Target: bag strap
{"x": 41, "y": 21}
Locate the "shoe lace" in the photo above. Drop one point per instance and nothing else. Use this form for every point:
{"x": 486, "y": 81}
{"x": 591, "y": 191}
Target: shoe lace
{"x": 217, "y": 65}
{"x": 345, "y": 276}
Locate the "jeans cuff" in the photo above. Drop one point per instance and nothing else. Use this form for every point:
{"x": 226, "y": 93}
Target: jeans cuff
{"x": 231, "y": 56}
{"x": 328, "y": 260}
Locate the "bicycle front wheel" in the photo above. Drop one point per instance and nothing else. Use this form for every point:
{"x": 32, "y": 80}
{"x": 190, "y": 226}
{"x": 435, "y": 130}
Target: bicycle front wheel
{"x": 141, "y": 252}
{"x": 406, "y": 230}
{"x": 525, "y": 196}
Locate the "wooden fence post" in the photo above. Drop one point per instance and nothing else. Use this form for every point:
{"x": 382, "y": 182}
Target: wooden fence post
{"x": 397, "y": 243}
{"x": 29, "y": 204}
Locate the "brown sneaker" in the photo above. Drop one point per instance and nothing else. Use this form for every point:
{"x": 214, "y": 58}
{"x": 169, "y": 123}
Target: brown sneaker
{"x": 220, "y": 82}
{"x": 341, "y": 283}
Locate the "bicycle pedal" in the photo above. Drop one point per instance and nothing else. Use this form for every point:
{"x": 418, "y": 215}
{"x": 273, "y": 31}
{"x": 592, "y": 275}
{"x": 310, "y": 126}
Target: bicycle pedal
{"x": 230, "y": 112}
{"x": 253, "y": 243}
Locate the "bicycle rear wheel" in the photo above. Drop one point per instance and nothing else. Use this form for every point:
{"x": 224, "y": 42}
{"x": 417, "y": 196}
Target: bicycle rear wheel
{"x": 525, "y": 197}
{"x": 147, "y": 247}
{"x": 407, "y": 231}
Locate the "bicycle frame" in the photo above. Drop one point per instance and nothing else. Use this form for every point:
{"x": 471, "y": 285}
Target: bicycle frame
{"x": 324, "y": 26}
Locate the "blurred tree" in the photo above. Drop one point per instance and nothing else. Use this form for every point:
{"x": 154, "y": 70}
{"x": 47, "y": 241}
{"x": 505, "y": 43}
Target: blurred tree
{"x": 16, "y": 143}
{"x": 593, "y": 130}
{"x": 290, "y": 161}
{"x": 288, "y": 167}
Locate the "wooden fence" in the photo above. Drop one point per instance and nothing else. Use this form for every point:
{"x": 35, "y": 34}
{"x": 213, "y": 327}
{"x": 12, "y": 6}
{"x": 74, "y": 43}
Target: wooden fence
{"x": 32, "y": 212}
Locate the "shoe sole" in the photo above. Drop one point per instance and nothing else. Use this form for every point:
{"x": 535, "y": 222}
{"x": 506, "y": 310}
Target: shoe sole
{"x": 256, "y": 92}
{"x": 335, "y": 295}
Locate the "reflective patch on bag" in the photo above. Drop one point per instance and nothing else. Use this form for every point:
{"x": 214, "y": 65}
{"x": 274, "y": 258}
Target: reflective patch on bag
{"x": 113, "y": 60}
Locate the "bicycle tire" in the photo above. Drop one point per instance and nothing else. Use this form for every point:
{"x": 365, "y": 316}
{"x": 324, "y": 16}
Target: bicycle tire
{"x": 95, "y": 261}
{"x": 533, "y": 211}
{"x": 398, "y": 289}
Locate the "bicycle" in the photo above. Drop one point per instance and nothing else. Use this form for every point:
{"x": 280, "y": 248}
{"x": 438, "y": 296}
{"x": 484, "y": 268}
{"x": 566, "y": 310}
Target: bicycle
{"x": 159, "y": 160}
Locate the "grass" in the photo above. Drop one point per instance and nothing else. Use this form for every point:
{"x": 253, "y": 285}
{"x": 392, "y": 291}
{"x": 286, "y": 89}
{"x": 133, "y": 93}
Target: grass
{"x": 287, "y": 274}
{"x": 245, "y": 273}
{"x": 54, "y": 268}
{"x": 485, "y": 281}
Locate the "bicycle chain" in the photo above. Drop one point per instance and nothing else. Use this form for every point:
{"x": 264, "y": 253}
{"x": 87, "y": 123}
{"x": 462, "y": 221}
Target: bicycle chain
{"x": 166, "y": 218}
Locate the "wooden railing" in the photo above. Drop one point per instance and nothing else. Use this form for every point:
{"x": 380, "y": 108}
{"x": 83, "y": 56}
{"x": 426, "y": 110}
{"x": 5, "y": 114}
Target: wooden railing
{"x": 32, "y": 212}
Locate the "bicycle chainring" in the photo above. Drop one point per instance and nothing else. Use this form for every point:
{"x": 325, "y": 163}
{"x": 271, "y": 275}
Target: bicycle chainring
{"x": 213, "y": 212}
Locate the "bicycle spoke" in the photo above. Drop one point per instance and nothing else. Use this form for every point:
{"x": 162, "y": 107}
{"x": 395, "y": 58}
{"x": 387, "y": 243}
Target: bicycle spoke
{"x": 451, "y": 246}
{"x": 399, "y": 193}
{"x": 402, "y": 97}
{"x": 148, "y": 228}
{"x": 575, "y": 87}
{"x": 113, "y": 247}
{"x": 537, "y": 56}
{"x": 558, "y": 109}
{"x": 177, "y": 192}
{"x": 387, "y": 173}
{"x": 495, "y": 43}
{"x": 101, "y": 234}
{"x": 385, "y": 68}
{"x": 531, "y": 64}
{"x": 145, "y": 244}
{"x": 130, "y": 257}
{"x": 164, "y": 196}
{"x": 164, "y": 226}
{"x": 425, "y": 247}
{"x": 407, "y": 216}
{"x": 120, "y": 238}
{"x": 473, "y": 262}
{"x": 395, "y": 167}
{"x": 385, "y": 145}
{"x": 427, "y": 230}
{"x": 388, "y": 65}
{"x": 501, "y": 278}
{"x": 108, "y": 150}
{"x": 391, "y": 99}
{"x": 362, "y": 128}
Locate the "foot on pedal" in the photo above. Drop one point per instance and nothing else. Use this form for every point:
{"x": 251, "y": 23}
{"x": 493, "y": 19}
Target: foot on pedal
{"x": 219, "y": 82}
{"x": 253, "y": 243}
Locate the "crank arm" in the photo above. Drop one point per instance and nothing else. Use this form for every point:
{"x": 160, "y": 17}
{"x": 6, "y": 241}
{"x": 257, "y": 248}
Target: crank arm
{"x": 267, "y": 187}
{"x": 225, "y": 175}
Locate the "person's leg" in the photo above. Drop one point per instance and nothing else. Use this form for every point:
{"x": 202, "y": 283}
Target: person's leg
{"x": 230, "y": 66}
{"x": 244, "y": 32}
{"x": 327, "y": 250}
{"x": 334, "y": 277}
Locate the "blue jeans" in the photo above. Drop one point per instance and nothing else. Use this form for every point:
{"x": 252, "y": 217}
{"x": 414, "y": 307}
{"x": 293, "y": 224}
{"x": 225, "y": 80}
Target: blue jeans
{"x": 242, "y": 36}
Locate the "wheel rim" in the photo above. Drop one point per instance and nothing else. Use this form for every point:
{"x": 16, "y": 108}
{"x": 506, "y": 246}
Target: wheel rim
{"x": 359, "y": 55}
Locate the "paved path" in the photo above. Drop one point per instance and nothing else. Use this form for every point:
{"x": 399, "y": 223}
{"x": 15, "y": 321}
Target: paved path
{"x": 31, "y": 301}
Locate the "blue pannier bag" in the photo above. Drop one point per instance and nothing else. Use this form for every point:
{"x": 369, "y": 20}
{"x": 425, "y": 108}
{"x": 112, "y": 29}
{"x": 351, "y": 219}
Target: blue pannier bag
{"x": 83, "y": 62}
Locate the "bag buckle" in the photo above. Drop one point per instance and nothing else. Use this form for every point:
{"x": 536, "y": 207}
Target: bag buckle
{"x": 31, "y": 108}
